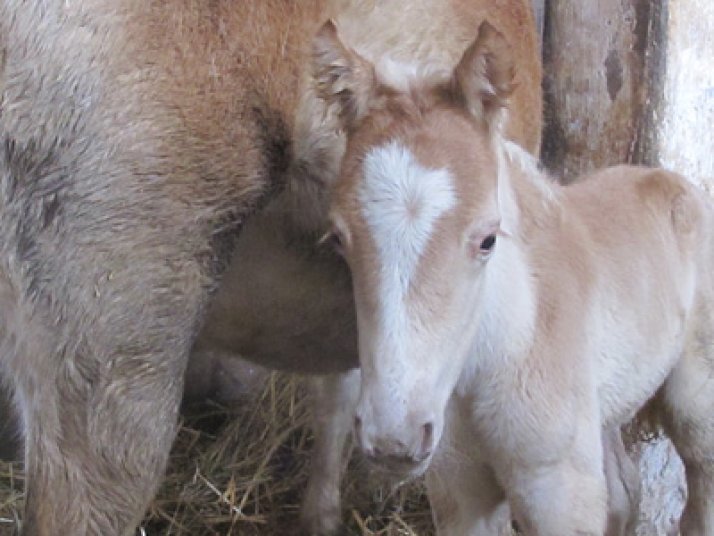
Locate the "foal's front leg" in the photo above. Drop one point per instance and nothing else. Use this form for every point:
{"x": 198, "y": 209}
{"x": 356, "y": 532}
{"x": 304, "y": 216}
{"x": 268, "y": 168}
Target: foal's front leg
{"x": 566, "y": 497}
{"x": 465, "y": 499}
{"x": 561, "y": 500}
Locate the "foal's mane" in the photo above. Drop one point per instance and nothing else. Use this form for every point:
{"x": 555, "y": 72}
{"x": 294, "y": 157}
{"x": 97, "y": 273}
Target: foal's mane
{"x": 537, "y": 194}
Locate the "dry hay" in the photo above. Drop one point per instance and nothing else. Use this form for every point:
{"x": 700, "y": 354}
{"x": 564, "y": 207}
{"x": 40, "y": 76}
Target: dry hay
{"x": 242, "y": 472}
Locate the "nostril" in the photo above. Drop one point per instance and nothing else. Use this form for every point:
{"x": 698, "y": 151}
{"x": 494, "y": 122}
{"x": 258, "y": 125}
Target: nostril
{"x": 358, "y": 430}
{"x": 427, "y": 440}
{"x": 428, "y": 429}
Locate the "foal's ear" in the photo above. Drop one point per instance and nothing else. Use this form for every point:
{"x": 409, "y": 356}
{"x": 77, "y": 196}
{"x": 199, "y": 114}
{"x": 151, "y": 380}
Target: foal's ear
{"x": 342, "y": 77}
{"x": 483, "y": 79}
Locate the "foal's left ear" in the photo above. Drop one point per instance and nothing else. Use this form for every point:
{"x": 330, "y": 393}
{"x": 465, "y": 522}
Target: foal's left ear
{"x": 483, "y": 79}
{"x": 341, "y": 76}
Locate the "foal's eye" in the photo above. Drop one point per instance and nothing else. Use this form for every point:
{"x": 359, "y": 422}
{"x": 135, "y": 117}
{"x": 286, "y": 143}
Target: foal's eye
{"x": 488, "y": 243}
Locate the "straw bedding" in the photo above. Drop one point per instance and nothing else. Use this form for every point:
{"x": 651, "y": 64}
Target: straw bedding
{"x": 242, "y": 471}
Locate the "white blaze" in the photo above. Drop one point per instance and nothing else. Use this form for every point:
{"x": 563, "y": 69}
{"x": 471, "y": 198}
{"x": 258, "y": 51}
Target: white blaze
{"x": 401, "y": 202}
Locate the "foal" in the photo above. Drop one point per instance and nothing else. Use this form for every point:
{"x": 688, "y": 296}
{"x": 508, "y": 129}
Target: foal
{"x": 505, "y": 321}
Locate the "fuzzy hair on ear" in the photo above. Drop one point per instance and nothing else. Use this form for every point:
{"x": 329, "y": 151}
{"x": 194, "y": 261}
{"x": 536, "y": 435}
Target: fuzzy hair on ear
{"x": 342, "y": 77}
{"x": 483, "y": 79}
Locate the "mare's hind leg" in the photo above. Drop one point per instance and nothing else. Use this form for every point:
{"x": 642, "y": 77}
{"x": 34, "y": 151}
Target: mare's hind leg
{"x": 333, "y": 399}
{"x": 99, "y": 388}
{"x": 9, "y": 431}
{"x": 689, "y": 421}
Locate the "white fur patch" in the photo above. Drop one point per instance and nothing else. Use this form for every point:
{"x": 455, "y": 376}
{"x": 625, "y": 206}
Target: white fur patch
{"x": 401, "y": 202}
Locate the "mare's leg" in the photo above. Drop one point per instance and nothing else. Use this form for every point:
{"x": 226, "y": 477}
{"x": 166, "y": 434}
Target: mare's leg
{"x": 10, "y": 444}
{"x": 99, "y": 393}
{"x": 623, "y": 485}
{"x": 222, "y": 376}
{"x": 689, "y": 421}
{"x": 333, "y": 399}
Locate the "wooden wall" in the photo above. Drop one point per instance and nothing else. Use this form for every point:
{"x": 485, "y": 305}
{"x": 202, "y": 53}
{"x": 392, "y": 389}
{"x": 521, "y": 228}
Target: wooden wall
{"x": 685, "y": 112}
{"x": 629, "y": 81}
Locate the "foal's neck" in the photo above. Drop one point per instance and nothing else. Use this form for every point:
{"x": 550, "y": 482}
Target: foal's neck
{"x": 505, "y": 324}
{"x": 536, "y": 194}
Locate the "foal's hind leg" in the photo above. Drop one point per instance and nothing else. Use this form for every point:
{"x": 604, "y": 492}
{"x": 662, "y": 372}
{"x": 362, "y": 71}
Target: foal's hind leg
{"x": 689, "y": 395}
{"x": 623, "y": 485}
{"x": 333, "y": 399}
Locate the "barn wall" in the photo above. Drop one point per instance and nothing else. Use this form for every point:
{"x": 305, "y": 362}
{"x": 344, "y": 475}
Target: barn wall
{"x": 629, "y": 81}
{"x": 684, "y": 135}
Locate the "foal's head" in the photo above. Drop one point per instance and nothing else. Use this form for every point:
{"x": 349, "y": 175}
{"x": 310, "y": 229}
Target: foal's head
{"x": 418, "y": 214}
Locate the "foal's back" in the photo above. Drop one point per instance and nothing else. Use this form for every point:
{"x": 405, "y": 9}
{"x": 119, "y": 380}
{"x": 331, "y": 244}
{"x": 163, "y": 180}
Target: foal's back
{"x": 643, "y": 237}
{"x": 652, "y": 238}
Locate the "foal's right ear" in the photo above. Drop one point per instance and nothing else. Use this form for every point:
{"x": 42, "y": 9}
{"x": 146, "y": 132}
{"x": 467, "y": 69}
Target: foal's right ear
{"x": 342, "y": 77}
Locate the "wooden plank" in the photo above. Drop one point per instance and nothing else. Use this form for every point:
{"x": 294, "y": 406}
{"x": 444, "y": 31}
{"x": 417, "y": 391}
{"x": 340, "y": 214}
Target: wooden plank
{"x": 594, "y": 56}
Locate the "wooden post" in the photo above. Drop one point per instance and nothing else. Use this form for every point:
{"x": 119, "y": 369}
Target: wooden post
{"x": 595, "y": 65}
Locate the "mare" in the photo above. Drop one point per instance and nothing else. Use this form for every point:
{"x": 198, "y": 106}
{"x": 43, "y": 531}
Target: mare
{"x": 135, "y": 138}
